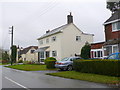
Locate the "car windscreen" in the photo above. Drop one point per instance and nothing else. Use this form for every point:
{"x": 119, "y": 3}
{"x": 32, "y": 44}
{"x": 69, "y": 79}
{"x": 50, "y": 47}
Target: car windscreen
{"x": 65, "y": 59}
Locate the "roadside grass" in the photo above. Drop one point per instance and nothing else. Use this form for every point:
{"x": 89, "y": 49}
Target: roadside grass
{"x": 28, "y": 67}
{"x": 0, "y": 63}
{"x": 87, "y": 77}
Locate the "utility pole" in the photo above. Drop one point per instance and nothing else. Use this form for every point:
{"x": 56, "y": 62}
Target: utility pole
{"x": 11, "y": 32}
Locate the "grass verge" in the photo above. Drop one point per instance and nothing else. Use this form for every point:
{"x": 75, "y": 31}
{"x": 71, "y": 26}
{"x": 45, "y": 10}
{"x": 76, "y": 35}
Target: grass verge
{"x": 87, "y": 77}
{"x": 28, "y": 67}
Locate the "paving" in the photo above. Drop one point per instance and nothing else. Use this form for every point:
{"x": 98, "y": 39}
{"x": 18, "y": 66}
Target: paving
{"x": 12, "y": 78}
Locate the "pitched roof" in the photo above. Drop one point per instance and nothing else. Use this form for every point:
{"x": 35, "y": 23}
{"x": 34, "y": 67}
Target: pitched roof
{"x": 25, "y": 50}
{"x": 54, "y": 31}
{"x": 58, "y": 30}
{"x": 115, "y": 16}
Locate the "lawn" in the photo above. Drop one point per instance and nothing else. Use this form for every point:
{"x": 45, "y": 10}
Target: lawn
{"x": 87, "y": 77}
{"x": 28, "y": 67}
{"x": 0, "y": 63}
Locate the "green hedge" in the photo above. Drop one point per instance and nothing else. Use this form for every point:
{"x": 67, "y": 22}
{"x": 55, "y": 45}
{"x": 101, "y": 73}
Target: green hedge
{"x": 50, "y": 62}
{"x": 103, "y": 67}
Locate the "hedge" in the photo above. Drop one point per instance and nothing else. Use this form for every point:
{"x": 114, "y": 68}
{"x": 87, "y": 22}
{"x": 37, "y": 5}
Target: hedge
{"x": 103, "y": 67}
{"x": 50, "y": 62}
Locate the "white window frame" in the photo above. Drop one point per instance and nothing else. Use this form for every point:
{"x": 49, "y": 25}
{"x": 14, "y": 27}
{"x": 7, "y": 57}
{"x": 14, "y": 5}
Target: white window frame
{"x": 113, "y": 48}
{"x": 115, "y": 26}
{"x": 78, "y": 38}
{"x": 54, "y": 52}
{"x": 41, "y": 42}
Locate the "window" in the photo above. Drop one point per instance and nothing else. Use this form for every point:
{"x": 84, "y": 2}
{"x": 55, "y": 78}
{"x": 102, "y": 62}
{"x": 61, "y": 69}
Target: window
{"x": 99, "y": 54}
{"x": 41, "y": 42}
{"x": 32, "y": 51}
{"x": 47, "y": 40}
{"x": 116, "y": 26}
{"x": 54, "y": 38}
{"x": 54, "y": 53}
{"x": 95, "y": 54}
{"x": 115, "y": 49}
{"x": 41, "y": 55}
{"x": 78, "y": 38}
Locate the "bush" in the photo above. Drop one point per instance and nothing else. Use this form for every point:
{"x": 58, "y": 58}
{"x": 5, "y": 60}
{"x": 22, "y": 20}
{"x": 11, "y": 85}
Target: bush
{"x": 27, "y": 62}
{"x": 5, "y": 61}
{"x": 103, "y": 67}
{"x": 50, "y": 62}
{"x": 20, "y": 61}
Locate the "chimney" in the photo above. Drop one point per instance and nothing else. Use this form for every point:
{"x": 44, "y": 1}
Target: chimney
{"x": 69, "y": 19}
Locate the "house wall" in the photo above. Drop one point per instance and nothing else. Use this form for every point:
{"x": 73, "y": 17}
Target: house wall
{"x": 30, "y": 56}
{"x": 109, "y": 34}
{"x": 54, "y": 45}
{"x": 70, "y": 46}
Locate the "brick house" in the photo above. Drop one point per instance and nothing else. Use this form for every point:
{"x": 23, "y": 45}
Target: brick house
{"x": 97, "y": 50}
{"x": 112, "y": 38}
{"x": 112, "y": 34}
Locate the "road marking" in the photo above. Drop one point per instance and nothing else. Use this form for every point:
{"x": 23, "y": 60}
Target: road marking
{"x": 17, "y": 83}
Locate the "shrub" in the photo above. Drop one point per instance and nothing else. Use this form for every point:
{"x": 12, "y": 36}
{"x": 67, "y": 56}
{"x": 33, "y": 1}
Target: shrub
{"x": 50, "y": 62}
{"x": 20, "y": 61}
{"x": 5, "y": 61}
{"x": 103, "y": 67}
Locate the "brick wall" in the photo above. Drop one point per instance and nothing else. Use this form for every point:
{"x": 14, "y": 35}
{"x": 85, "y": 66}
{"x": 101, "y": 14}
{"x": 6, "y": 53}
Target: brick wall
{"x": 109, "y": 35}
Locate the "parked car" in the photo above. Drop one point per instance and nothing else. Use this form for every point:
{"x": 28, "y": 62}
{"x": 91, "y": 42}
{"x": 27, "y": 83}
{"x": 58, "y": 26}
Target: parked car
{"x": 66, "y": 63}
{"x": 115, "y": 56}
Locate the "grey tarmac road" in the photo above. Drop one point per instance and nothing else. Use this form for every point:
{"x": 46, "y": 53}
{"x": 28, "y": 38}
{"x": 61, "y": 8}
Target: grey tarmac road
{"x": 12, "y": 78}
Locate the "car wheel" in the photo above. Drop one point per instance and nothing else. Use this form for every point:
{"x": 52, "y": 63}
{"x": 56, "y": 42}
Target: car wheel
{"x": 69, "y": 68}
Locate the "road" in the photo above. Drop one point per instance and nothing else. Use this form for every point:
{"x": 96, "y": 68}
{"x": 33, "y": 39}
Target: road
{"x": 12, "y": 78}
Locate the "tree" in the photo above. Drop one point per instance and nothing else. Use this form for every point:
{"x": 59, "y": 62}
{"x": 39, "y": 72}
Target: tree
{"x": 113, "y": 6}
{"x": 13, "y": 54}
{"x": 5, "y": 56}
{"x": 85, "y": 51}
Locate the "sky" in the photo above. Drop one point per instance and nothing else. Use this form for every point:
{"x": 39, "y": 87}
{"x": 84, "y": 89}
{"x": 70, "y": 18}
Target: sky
{"x": 32, "y": 18}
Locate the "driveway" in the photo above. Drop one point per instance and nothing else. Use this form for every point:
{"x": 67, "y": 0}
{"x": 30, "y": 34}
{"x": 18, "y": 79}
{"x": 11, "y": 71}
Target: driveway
{"x": 12, "y": 78}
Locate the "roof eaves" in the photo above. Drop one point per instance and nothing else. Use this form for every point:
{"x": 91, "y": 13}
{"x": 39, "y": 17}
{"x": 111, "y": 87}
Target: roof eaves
{"x": 111, "y": 22}
{"x": 49, "y": 35}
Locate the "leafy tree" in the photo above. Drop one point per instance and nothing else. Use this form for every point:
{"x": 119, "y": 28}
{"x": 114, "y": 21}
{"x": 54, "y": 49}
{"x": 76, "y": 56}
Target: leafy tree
{"x": 5, "y": 56}
{"x": 13, "y": 54}
{"x": 85, "y": 51}
{"x": 113, "y": 6}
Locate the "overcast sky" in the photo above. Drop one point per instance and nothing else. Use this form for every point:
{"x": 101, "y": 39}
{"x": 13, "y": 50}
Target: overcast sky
{"x": 31, "y": 19}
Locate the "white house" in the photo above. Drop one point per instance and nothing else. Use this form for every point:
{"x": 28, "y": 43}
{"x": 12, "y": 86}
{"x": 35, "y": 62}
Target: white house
{"x": 27, "y": 54}
{"x": 64, "y": 41}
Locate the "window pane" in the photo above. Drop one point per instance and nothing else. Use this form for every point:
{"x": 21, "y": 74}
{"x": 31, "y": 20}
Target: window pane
{"x": 54, "y": 53}
{"x": 115, "y": 49}
{"x": 78, "y": 38}
{"x": 41, "y": 54}
{"x": 98, "y": 53}
{"x": 118, "y": 25}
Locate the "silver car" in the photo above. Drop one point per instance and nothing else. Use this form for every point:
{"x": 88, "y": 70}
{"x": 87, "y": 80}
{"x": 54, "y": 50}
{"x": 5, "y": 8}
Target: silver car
{"x": 66, "y": 63}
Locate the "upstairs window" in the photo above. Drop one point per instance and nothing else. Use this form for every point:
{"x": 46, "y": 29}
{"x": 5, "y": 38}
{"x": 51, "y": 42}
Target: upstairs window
{"x": 32, "y": 51}
{"x": 47, "y": 40}
{"x": 78, "y": 38}
{"x": 41, "y": 42}
{"x": 54, "y": 38}
{"x": 116, "y": 26}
